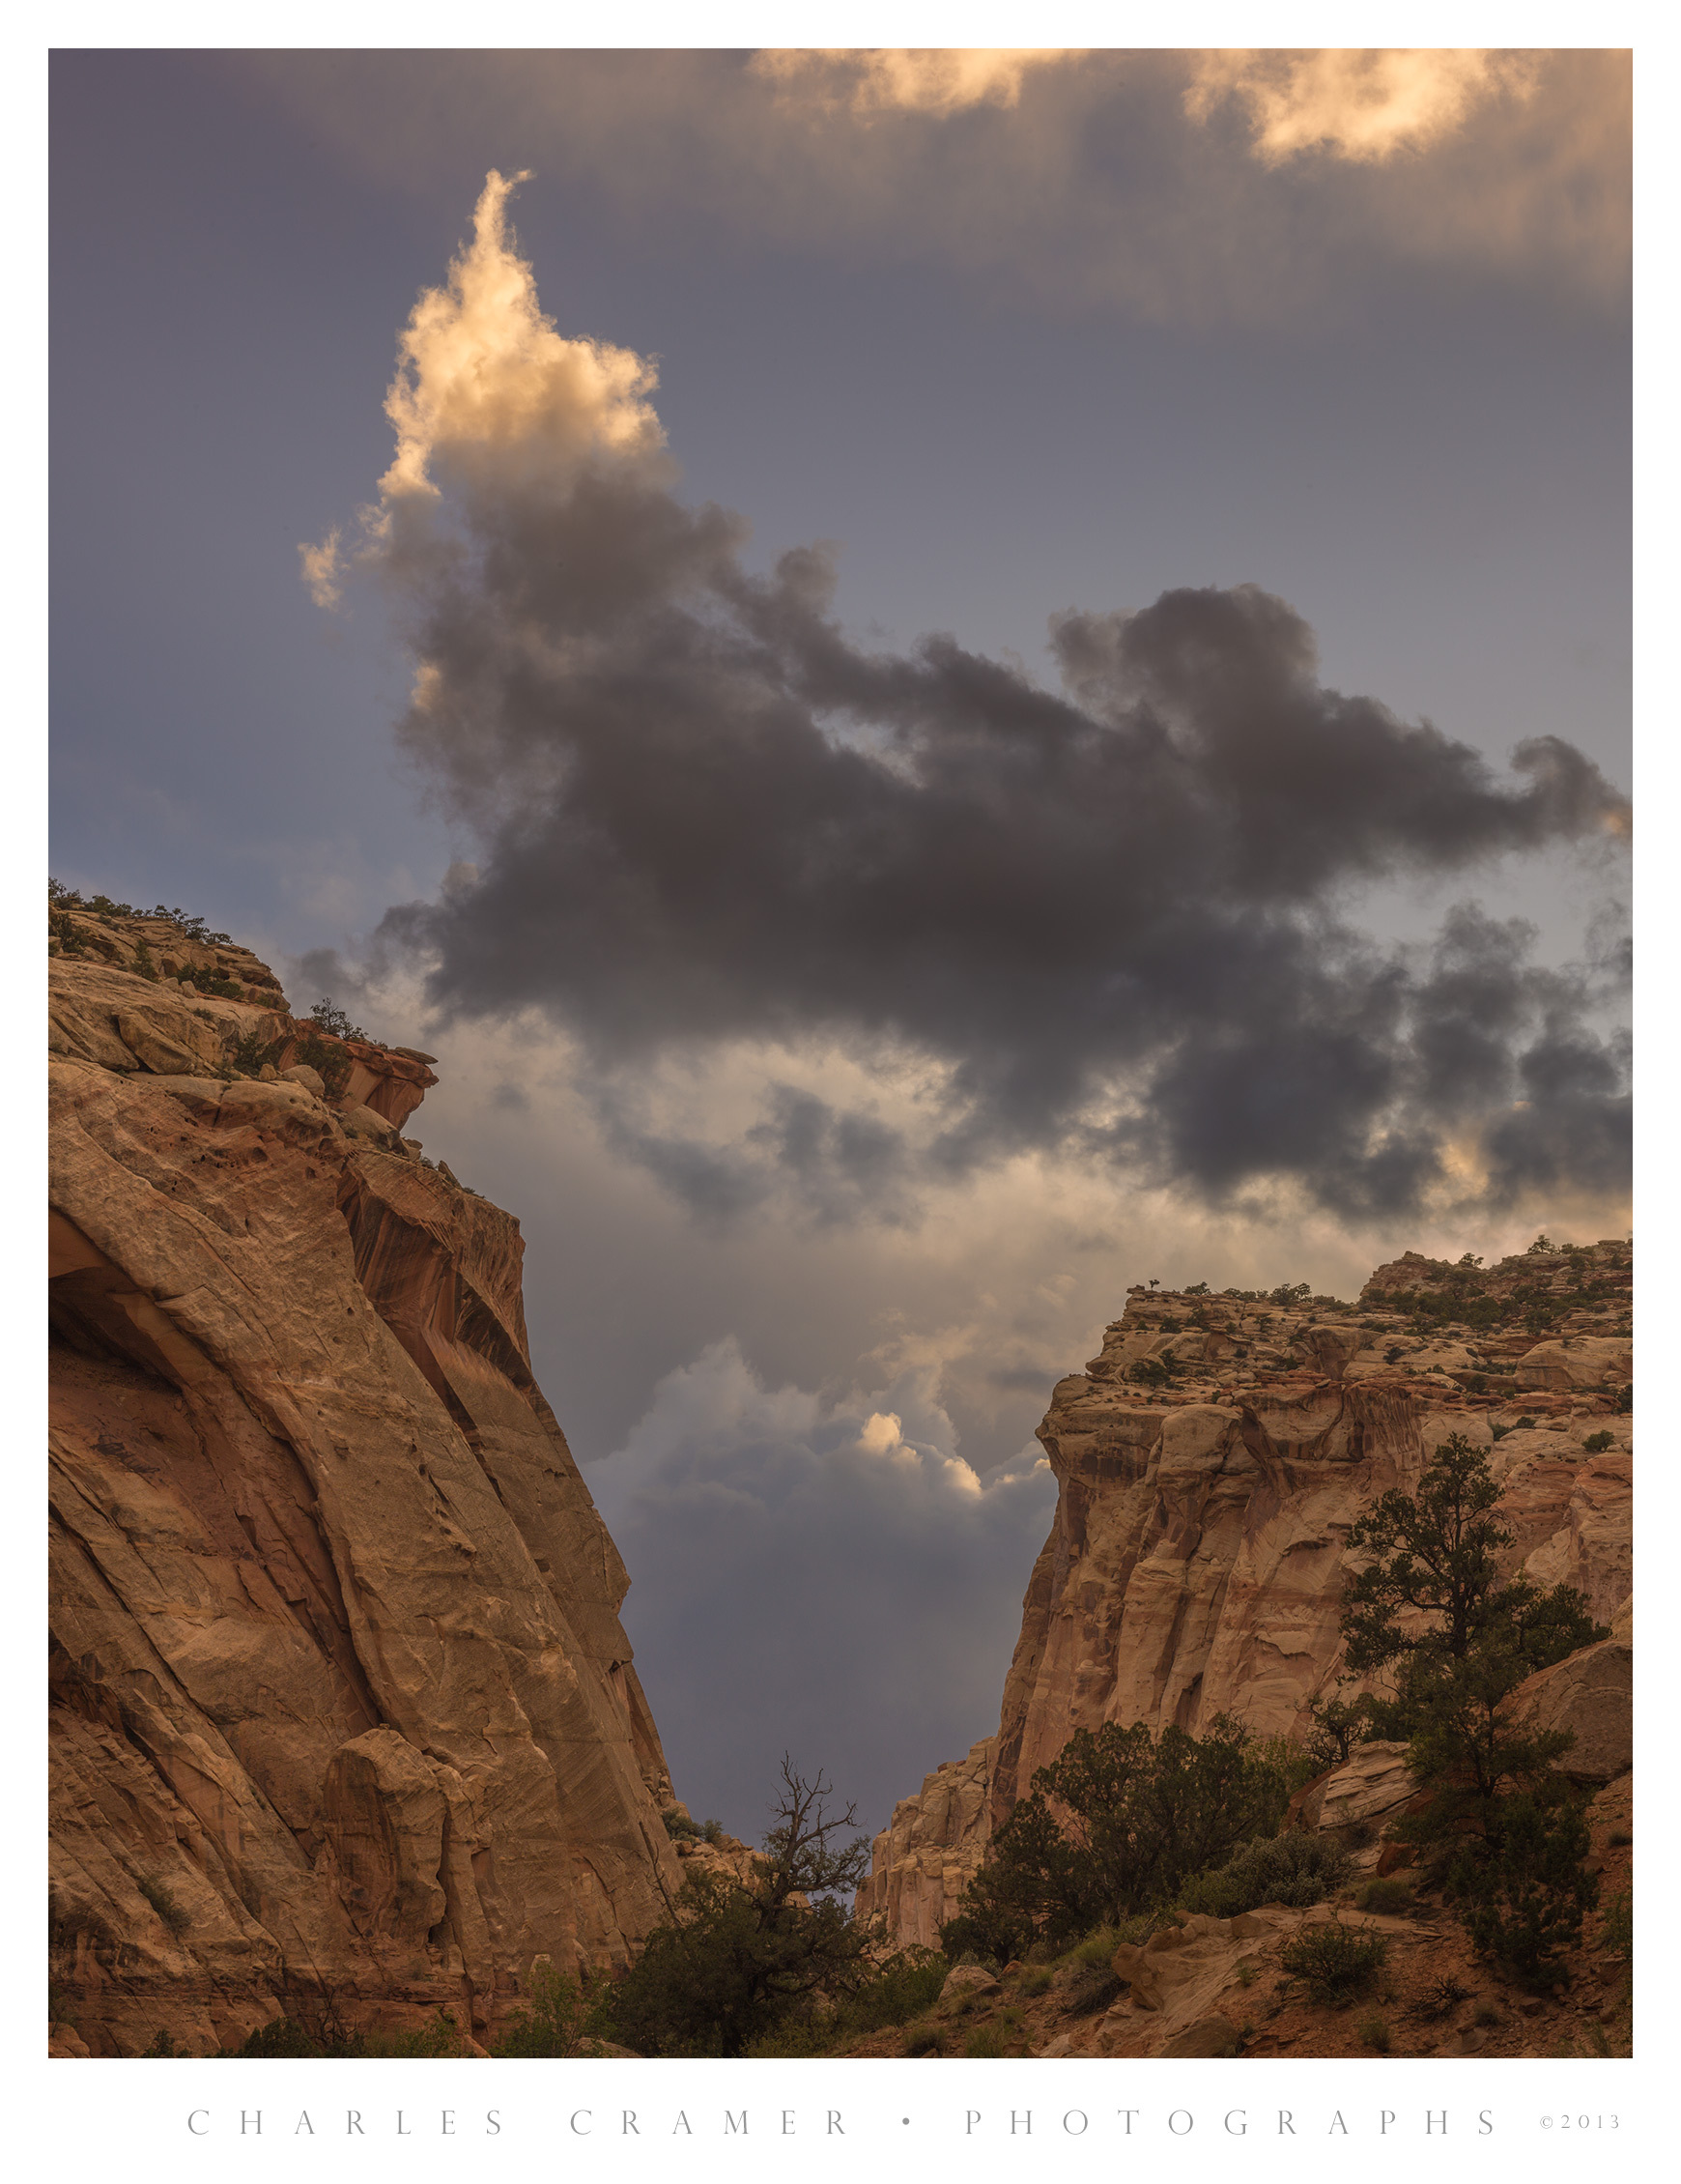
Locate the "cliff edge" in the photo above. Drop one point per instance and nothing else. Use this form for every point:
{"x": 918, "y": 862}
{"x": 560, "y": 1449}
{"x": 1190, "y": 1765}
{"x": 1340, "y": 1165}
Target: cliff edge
{"x": 342, "y": 1713}
{"x": 1209, "y": 1464}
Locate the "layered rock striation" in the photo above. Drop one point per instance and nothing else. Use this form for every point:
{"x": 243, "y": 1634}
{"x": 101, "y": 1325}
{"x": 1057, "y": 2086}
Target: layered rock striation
{"x": 1209, "y": 1462}
{"x": 342, "y": 1714}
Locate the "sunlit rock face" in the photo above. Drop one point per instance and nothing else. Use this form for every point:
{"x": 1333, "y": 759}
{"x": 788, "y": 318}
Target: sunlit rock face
{"x": 343, "y": 1716}
{"x": 1209, "y": 1463}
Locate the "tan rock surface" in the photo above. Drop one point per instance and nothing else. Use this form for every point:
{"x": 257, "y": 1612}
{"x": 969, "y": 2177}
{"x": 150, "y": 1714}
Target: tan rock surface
{"x": 1592, "y": 1695}
{"x": 341, "y": 1703}
{"x": 1196, "y": 1561}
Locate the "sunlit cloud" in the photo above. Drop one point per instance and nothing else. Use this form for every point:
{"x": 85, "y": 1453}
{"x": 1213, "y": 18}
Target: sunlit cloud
{"x": 1180, "y": 188}
{"x": 935, "y": 80}
{"x": 1361, "y": 106}
{"x": 482, "y": 372}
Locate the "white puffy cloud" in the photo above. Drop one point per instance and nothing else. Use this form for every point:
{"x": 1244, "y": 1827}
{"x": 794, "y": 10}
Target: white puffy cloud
{"x": 483, "y": 377}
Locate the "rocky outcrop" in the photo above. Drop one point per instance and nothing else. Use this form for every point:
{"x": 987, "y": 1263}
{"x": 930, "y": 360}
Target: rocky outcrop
{"x": 342, "y": 1711}
{"x": 1209, "y": 1462}
{"x": 1591, "y": 1695}
{"x": 926, "y": 1856}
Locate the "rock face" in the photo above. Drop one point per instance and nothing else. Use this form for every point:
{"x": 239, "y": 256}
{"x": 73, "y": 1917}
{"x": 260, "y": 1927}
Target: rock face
{"x": 924, "y": 1859}
{"x": 1209, "y": 1463}
{"x": 342, "y": 1713}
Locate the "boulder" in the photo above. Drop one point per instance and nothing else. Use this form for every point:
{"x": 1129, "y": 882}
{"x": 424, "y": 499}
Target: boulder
{"x": 1591, "y": 1693}
{"x": 363, "y": 1125}
{"x": 972, "y": 1979}
{"x": 311, "y": 1080}
{"x": 1580, "y": 1360}
{"x": 1372, "y": 1783}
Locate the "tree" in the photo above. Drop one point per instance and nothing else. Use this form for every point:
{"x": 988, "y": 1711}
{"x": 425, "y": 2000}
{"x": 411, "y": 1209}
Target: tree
{"x": 1339, "y": 1724}
{"x": 1470, "y": 1637}
{"x": 1116, "y": 1824}
{"x": 736, "y": 1958}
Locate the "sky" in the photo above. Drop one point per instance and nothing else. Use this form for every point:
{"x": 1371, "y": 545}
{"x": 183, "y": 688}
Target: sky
{"x": 943, "y": 681}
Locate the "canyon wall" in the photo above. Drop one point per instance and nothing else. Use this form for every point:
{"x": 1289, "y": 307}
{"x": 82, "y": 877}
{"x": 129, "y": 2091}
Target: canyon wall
{"x": 1208, "y": 1465}
{"x": 342, "y": 1714}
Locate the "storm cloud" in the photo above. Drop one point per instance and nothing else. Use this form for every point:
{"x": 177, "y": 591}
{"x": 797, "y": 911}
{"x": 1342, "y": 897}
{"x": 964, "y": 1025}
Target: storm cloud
{"x": 858, "y": 1586}
{"x": 1115, "y": 919}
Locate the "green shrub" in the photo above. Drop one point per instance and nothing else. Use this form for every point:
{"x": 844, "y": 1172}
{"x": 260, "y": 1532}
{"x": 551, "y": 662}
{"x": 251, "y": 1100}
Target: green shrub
{"x": 1036, "y": 1979}
{"x": 252, "y": 1053}
{"x": 564, "y": 2013}
{"x": 290, "y": 2039}
{"x": 334, "y": 1022}
{"x": 163, "y": 1902}
{"x": 1484, "y": 2014}
{"x": 1374, "y": 2035}
{"x": 736, "y": 1961}
{"x": 796, "y": 2039}
{"x": 440, "y": 2035}
{"x": 906, "y": 1985}
{"x": 208, "y": 981}
{"x": 1619, "y": 1839}
{"x": 1296, "y": 1868}
{"x": 1096, "y": 1948}
{"x": 1387, "y": 1897}
{"x": 162, "y": 2044}
{"x": 1523, "y": 1893}
{"x": 1115, "y": 1826}
{"x": 926, "y": 2040}
{"x": 1333, "y": 1961}
{"x": 1626, "y": 1397}
{"x": 1595, "y": 1443}
{"x": 1526, "y": 1424}
{"x": 281, "y": 2039}
{"x": 988, "y": 2042}
{"x": 328, "y": 1058}
{"x": 1617, "y": 1928}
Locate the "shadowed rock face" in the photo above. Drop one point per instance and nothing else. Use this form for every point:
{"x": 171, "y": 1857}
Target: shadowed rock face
{"x": 341, "y": 1704}
{"x": 1209, "y": 1463}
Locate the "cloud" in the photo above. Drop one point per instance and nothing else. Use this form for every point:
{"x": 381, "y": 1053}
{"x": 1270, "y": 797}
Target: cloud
{"x": 483, "y": 375}
{"x": 860, "y": 1587}
{"x": 323, "y": 568}
{"x": 1193, "y": 188}
{"x": 924, "y": 80}
{"x": 1365, "y": 106}
{"x": 974, "y": 918}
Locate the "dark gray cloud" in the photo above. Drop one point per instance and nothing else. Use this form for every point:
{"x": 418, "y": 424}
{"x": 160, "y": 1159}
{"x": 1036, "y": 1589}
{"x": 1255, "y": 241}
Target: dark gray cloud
{"x": 1113, "y": 918}
{"x": 707, "y": 815}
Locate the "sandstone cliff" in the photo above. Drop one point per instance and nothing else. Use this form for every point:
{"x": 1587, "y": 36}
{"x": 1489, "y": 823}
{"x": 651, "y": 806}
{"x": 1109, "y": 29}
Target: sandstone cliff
{"x": 342, "y": 1712}
{"x": 1208, "y": 1465}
